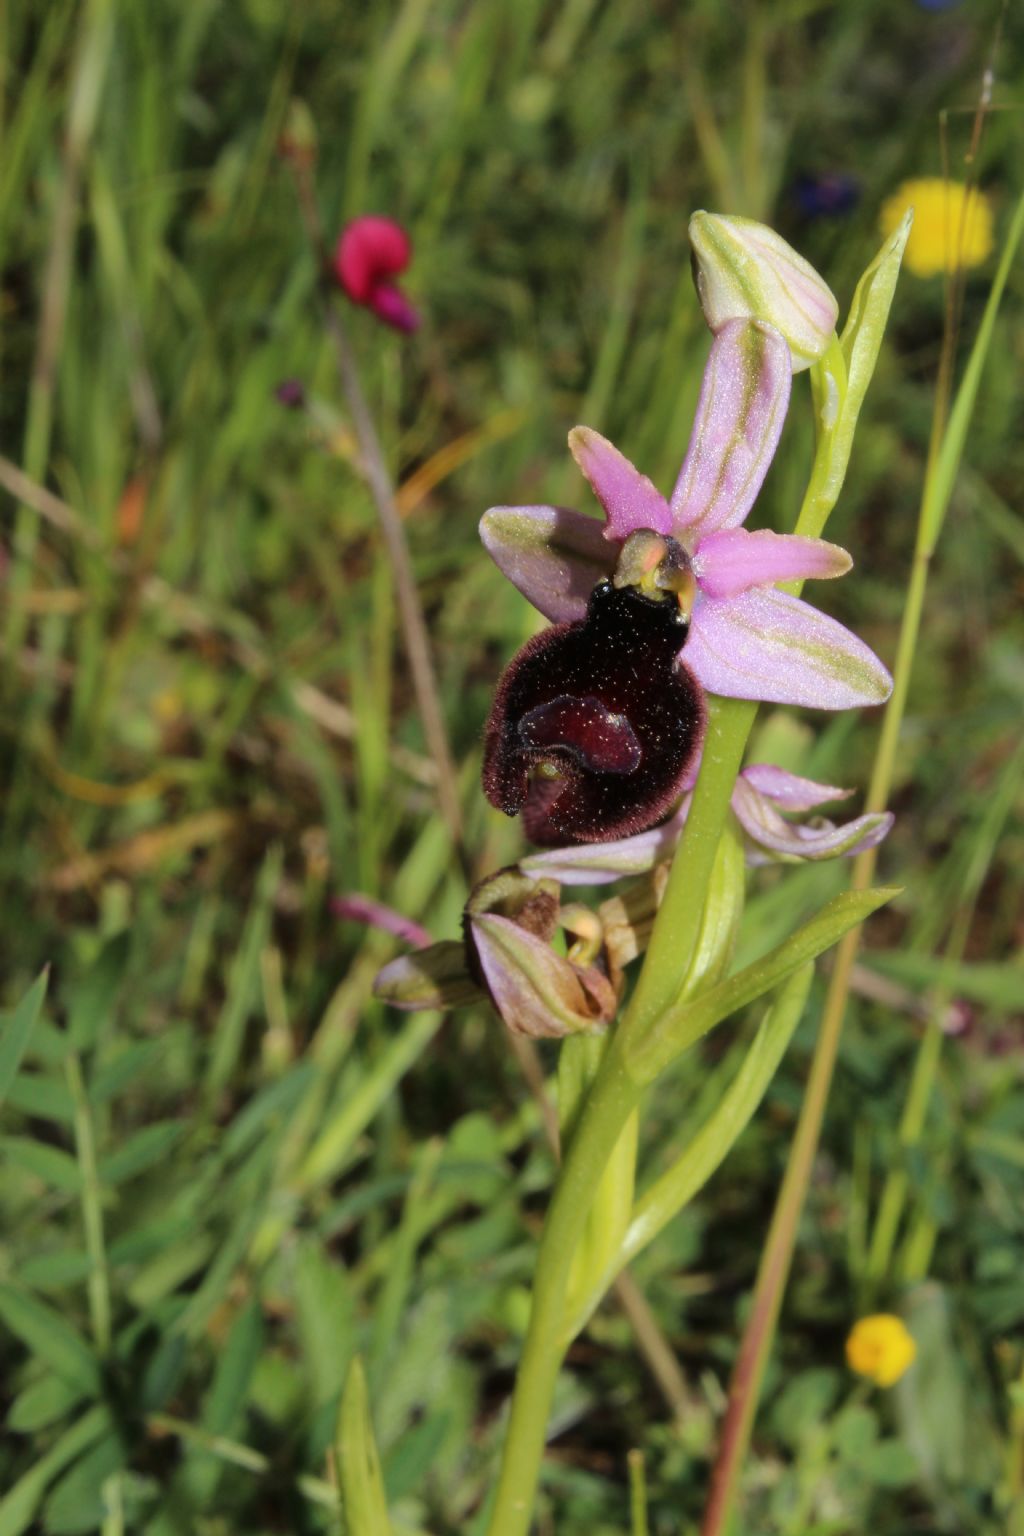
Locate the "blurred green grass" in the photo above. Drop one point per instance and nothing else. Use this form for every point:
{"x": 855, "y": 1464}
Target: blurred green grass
{"x": 218, "y": 1141}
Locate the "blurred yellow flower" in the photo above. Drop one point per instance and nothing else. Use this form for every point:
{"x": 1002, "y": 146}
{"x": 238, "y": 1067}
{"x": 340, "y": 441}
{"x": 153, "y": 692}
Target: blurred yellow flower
{"x": 880, "y": 1347}
{"x": 952, "y": 227}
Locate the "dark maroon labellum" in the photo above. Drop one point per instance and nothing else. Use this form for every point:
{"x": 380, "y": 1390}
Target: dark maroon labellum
{"x": 594, "y": 724}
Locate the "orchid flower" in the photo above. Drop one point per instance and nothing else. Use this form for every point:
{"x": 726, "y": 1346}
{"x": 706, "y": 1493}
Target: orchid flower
{"x": 761, "y": 795}
{"x": 583, "y": 713}
{"x": 746, "y": 639}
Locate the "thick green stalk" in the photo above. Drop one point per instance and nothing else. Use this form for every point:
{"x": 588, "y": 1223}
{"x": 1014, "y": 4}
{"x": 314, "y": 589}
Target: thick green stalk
{"x": 679, "y": 917}
{"x": 609, "y": 1104}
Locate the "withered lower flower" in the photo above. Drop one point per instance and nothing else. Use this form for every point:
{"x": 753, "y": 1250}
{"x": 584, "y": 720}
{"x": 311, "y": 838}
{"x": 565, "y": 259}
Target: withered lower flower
{"x": 506, "y": 955}
{"x": 595, "y": 723}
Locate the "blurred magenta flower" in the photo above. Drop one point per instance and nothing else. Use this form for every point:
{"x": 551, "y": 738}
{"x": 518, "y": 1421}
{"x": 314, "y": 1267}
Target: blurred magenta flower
{"x": 291, "y": 393}
{"x": 357, "y": 908}
{"x": 745, "y": 639}
{"x": 761, "y": 795}
{"x": 371, "y": 251}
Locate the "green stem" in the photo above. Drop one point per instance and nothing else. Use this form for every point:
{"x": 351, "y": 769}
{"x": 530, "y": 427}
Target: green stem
{"x": 92, "y": 1209}
{"x": 778, "y": 1251}
{"x": 637, "y": 1494}
{"x": 926, "y": 1065}
{"x": 85, "y": 98}
{"x": 609, "y": 1104}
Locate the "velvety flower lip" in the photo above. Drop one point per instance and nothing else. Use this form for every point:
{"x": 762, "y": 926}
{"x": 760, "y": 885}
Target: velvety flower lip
{"x": 371, "y": 251}
{"x": 747, "y": 639}
{"x": 595, "y": 723}
{"x": 760, "y": 796}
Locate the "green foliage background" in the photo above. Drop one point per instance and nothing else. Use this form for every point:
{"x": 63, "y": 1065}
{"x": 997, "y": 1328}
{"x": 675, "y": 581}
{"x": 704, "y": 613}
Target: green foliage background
{"x": 225, "y": 1169}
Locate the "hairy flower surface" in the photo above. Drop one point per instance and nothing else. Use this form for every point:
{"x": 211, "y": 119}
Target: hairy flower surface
{"x": 746, "y": 639}
{"x": 370, "y": 253}
{"x": 595, "y": 723}
{"x": 761, "y": 799}
{"x": 881, "y": 1347}
{"x": 953, "y": 226}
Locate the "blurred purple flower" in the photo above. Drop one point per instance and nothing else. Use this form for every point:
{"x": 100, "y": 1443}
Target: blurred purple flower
{"x": 830, "y": 194}
{"x": 291, "y": 393}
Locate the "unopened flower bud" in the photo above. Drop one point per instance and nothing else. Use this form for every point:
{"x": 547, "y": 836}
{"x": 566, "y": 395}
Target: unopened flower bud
{"x": 745, "y": 271}
{"x": 297, "y": 141}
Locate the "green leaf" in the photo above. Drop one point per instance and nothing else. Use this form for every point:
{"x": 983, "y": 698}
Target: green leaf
{"x": 42, "y": 1404}
{"x": 49, "y": 1336}
{"x": 244, "y": 977}
{"x": 225, "y": 1403}
{"x": 16, "y": 1032}
{"x": 708, "y": 1149}
{"x": 76, "y": 1505}
{"x": 349, "y": 1116}
{"x": 50, "y": 1164}
{"x": 108, "y": 1082}
{"x": 711, "y": 1145}
{"x": 805, "y": 1403}
{"x": 38, "y": 1096}
{"x": 362, "y": 1486}
{"x": 889, "y": 1464}
{"x": 234, "y": 1371}
{"x": 682, "y": 1026}
{"x": 148, "y": 1146}
{"x": 267, "y": 1109}
{"x": 94, "y": 998}
{"x": 326, "y": 1317}
{"x": 56, "y": 1269}
{"x": 19, "y": 1504}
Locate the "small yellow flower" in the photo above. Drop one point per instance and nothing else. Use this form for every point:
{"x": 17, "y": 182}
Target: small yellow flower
{"x": 880, "y": 1347}
{"x": 952, "y": 227}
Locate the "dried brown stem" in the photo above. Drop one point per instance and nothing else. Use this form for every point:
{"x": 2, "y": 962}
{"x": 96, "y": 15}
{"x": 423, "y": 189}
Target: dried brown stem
{"x": 414, "y": 629}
